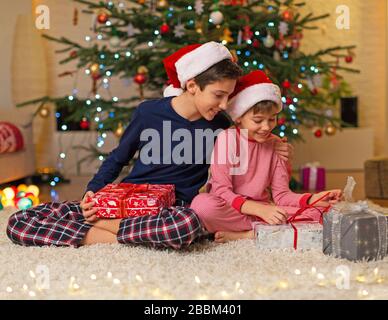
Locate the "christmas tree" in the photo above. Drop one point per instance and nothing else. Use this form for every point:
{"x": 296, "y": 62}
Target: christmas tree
{"x": 131, "y": 38}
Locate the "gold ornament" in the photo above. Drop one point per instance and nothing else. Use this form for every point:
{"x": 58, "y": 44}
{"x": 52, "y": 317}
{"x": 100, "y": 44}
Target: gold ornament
{"x": 162, "y": 4}
{"x": 119, "y": 131}
{"x": 330, "y": 130}
{"x": 140, "y": 1}
{"x": 142, "y": 70}
{"x": 94, "y": 67}
{"x": 234, "y": 55}
{"x": 227, "y": 36}
{"x": 198, "y": 27}
{"x": 46, "y": 170}
{"x": 44, "y": 112}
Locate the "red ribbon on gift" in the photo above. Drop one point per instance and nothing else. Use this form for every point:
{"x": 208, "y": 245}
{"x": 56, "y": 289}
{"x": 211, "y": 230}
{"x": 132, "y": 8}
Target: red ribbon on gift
{"x": 294, "y": 218}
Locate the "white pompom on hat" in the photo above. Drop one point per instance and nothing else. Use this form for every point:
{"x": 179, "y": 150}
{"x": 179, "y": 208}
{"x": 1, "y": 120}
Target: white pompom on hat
{"x": 190, "y": 61}
{"x": 251, "y": 89}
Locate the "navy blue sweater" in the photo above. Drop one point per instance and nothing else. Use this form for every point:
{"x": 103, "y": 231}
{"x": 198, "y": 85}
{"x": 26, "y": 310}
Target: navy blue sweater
{"x": 188, "y": 175}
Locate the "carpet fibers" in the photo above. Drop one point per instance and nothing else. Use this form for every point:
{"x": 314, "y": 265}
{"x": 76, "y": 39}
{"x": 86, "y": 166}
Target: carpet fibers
{"x": 236, "y": 270}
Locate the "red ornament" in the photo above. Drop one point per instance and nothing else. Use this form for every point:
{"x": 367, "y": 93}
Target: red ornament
{"x": 286, "y": 84}
{"x": 288, "y": 100}
{"x": 256, "y": 43}
{"x": 280, "y": 44}
{"x": 281, "y": 121}
{"x": 295, "y": 44}
{"x": 318, "y": 133}
{"x": 314, "y": 92}
{"x": 74, "y": 54}
{"x": 288, "y": 15}
{"x": 84, "y": 124}
{"x": 15, "y": 189}
{"x": 96, "y": 76}
{"x": 102, "y": 18}
{"x": 140, "y": 78}
{"x": 348, "y": 59}
{"x": 296, "y": 89}
{"x": 29, "y": 194}
{"x": 165, "y": 28}
{"x": 247, "y": 34}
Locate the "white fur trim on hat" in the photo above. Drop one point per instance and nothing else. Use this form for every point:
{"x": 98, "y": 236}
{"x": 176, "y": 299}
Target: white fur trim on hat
{"x": 170, "y": 91}
{"x": 248, "y": 97}
{"x": 199, "y": 60}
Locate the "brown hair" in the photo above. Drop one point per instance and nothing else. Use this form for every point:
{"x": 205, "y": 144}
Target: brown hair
{"x": 225, "y": 69}
{"x": 265, "y": 106}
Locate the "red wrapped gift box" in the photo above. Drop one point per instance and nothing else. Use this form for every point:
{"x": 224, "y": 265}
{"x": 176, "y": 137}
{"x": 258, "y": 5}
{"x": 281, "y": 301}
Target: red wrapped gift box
{"x": 123, "y": 200}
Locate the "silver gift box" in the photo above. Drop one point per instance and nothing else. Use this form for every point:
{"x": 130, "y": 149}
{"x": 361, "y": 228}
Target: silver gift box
{"x": 355, "y": 231}
{"x": 282, "y": 236}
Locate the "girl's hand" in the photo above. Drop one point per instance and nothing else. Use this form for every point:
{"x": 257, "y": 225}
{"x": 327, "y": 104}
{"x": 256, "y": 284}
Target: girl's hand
{"x": 333, "y": 196}
{"x": 284, "y": 150}
{"x": 272, "y": 214}
{"x": 87, "y": 208}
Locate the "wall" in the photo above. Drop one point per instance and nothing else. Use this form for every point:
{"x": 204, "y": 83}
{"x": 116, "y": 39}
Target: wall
{"x": 10, "y": 13}
{"x": 368, "y": 30}
{"x": 386, "y": 84}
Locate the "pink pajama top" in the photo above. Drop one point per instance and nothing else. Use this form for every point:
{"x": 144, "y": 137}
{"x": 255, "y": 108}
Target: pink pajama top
{"x": 264, "y": 172}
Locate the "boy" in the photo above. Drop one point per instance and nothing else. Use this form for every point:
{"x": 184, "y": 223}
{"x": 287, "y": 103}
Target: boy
{"x": 202, "y": 77}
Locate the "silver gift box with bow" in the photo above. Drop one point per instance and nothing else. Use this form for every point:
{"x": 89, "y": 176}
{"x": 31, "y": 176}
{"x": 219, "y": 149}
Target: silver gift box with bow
{"x": 282, "y": 236}
{"x": 355, "y": 231}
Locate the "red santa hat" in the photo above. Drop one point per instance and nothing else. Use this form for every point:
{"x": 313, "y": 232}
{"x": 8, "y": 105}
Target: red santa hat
{"x": 251, "y": 89}
{"x": 190, "y": 61}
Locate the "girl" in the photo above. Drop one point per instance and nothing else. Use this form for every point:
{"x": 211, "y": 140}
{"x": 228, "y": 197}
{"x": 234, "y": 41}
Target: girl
{"x": 237, "y": 198}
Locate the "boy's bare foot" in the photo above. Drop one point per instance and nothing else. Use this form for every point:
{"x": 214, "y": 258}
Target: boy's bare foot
{"x": 111, "y": 225}
{"x": 96, "y": 235}
{"x": 225, "y": 236}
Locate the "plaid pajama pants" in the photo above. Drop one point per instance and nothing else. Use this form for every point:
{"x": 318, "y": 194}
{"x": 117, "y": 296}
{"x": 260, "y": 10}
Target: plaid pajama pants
{"x": 63, "y": 224}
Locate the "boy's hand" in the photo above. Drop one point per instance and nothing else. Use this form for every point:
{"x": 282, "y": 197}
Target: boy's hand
{"x": 272, "y": 214}
{"x": 333, "y": 196}
{"x": 87, "y": 208}
{"x": 284, "y": 149}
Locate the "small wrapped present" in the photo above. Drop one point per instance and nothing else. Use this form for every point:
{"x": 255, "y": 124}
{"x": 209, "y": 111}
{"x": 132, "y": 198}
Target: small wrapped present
{"x": 313, "y": 177}
{"x": 299, "y": 232}
{"x": 298, "y": 235}
{"x": 127, "y": 199}
{"x": 355, "y": 230}
{"x": 376, "y": 178}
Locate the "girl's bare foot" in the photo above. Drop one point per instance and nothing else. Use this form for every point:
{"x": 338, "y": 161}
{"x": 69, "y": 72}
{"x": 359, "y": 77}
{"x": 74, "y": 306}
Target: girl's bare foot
{"x": 225, "y": 236}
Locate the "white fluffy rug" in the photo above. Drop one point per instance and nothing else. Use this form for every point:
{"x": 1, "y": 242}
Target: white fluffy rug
{"x": 206, "y": 271}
